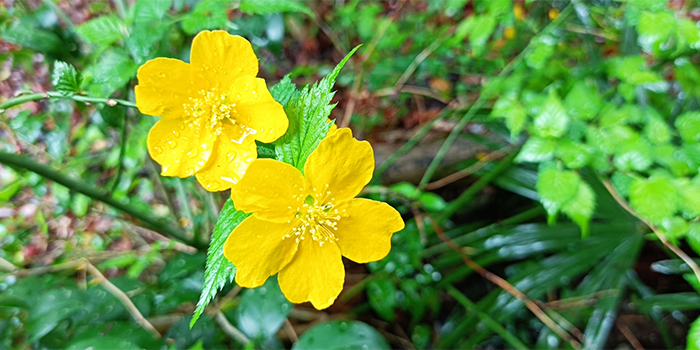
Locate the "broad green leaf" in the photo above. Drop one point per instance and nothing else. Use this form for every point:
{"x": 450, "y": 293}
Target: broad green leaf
{"x": 24, "y": 33}
{"x": 689, "y": 153}
{"x": 654, "y": 29}
{"x": 552, "y": 120}
{"x": 544, "y": 49}
{"x": 689, "y": 192}
{"x": 113, "y": 70}
{"x": 513, "y": 111}
{"x": 655, "y": 198}
{"x": 536, "y": 150}
{"x": 688, "y": 125}
{"x": 27, "y": 126}
{"x": 262, "y": 310}
{"x": 688, "y": 34}
{"x": 675, "y": 228}
{"x": 581, "y": 207}
{"x": 499, "y": 7}
{"x": 583, "y": 101}
{"x": 144, "y": 38}
{"x": 574, "y": 154}
{"x": 218, "y": 270}
{"x": 693, "y": 237}
{"x": 273, "y": 6}
{"x": 308, "y": 114}
{"x": 688, "y": 76}
{"x": 207, "y": 14}
{"x": 104, "y": 342}
{"x": 341, "y": 335}
{"x": 480, "y": 32}
{"x": 622, "y": 183}
{"x": 555, "y": 188}
{"x": 147, "y": 11}
{"x": 634, "y": 156}
{"x": 103, "y": 30}
{"x": 432, "y": 202}
{"x": 657, "y": 130}
{"x": 382, "y": 298}
{"x": 66, "y": 79}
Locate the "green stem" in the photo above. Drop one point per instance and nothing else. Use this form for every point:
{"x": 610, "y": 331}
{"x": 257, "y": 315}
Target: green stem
{"x": 486, "y": 95}
{"x": 467, "y": 195}
{"x": 486, "y": 319}
{"x": 24, "y": 162}
{"x": 54, "y": 94}
{"x": 122, "y": 152}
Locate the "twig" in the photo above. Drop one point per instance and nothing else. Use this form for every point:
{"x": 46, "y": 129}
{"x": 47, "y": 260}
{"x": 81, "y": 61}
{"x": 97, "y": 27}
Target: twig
{"x": 54, "y": 94}
{"x": 44, "y": 269}
{"x": 290, "y": 331}
{"x": 7, "y": 266}
{"x": 229, "y": 329}
{"x": 532, "y": 306}
{"x": 416, "y": 90}
{"x": 629, "y": 335}
{"x": 417, "y": 61}
{"x": 142, "y": 321}
{"x": 85, "y": 188}
{"x": 467, "y": 171}
{"x": 168, "y": 242}
{"x": 662, "y": 237}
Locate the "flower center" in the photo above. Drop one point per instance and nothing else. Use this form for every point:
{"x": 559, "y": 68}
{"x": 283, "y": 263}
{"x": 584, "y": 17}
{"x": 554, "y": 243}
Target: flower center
{"x": 319, "y": 220}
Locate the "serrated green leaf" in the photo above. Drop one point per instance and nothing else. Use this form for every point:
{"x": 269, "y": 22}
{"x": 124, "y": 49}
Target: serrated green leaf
{"x": 66, "y": 79}
{"x": 207, "y": 14}
{"x": 675, "y": 228}
{"x": 147, "y": 11}
{"x": 308, "y": 114}
{"x": 337, "y": 335}
{"x": 513, "y": 111}
{"x": 25, "y": 33}
{"x": 283, "y": 91}
{"x": 583, "y": 101}
{"x": 536, "y": 150}
{"x": 555, "y": 188}
{"x": 688, "y": 76}
{"x": 261, "y": 7}
{"x": 688, "y": 125}
{"x": 552, "y": 120}
{"x": 262, "y": 310}
{"x": 219, "y": 270}
{"x": 694, "y": 335}
{"x": 689, "y": 192}
{"x": 113, "y": 70}
{"x": 144, "y": 38}
{"x": 654, "y": 199}
{"x": 581, "y": 207}
{"x": 574, "y": 154}
{"x": 103, "y": 30}
{"x": 657, "y": 131}
{"x": 654, "y": 29}
{"x": 634, "y": 156}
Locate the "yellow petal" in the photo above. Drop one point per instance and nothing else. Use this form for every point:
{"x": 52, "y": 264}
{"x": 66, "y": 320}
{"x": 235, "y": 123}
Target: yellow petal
{"x": 257, "y": 109}
{"x": 272, "y": 190}
{"x": 181, "y": 146}
{"x": 164, "y": 86}
{"x": 365, "y": 229}
{"x": 228, "y": 162}
{"x": 219, "y": 58}
{"x": 259, "y": 250}
{"x": 333, "y": 127}
{"x": 315, "y": 274}
{"x": 340, "y": 165}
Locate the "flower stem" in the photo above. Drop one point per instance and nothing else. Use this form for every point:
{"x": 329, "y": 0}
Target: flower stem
{"x": 54, "y": 94}
{"x": 24, "y": 162}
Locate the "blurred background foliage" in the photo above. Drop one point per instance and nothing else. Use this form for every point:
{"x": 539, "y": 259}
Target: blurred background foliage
{"x": 489, "y": 120}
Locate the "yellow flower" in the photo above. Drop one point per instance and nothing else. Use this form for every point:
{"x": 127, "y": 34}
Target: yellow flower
{"x": 213, "y": 109}
{"x": 302, "y": 224}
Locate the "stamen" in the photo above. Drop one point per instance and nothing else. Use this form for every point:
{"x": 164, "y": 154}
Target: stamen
{"x": 214, "y": 107}
{"x": 319, "y": 220}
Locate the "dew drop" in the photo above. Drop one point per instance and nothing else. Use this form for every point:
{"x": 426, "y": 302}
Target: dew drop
{"x": 172, "y": 144}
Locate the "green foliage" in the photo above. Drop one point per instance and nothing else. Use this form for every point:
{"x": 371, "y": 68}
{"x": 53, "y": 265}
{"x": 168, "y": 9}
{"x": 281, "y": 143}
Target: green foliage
{"x": 207, "y": 14}
{"x": 273, "y": 6}
{"x": 263, "y": 310}
{"x": 66, "y": 79}
{"x": 337, "y": 335}
{"x": 103, "y": 30}
{"x": 218, "y": 270}
{"x": 307, "y": 113}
